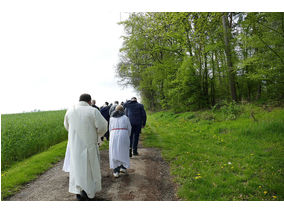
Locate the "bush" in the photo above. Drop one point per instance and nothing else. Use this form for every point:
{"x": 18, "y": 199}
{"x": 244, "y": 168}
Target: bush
{"x": 231, "y": 110}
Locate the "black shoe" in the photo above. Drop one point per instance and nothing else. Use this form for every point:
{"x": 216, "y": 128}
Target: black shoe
{"x": 135, "y": 153}
{"x": 117, "y": 169}
{"x": 84, "y": 196}
{"x": 130, "y": 152}
{"x": 122, "y": 169}
{"x": 78, "y": 197}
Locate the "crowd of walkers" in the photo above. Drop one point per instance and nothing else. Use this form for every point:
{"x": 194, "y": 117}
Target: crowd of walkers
{"x": 87, "y": 126}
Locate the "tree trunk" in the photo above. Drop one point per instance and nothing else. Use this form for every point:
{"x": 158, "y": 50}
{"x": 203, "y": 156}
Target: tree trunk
{"x": 205, "y": 80}
{"x": 229, "y": 57}
{"x": 258, "y": 91}
{"x": 213, "y": 102}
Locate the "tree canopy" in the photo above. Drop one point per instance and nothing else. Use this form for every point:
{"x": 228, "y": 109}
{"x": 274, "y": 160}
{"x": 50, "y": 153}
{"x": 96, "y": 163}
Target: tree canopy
{"x": 192, "y": 60}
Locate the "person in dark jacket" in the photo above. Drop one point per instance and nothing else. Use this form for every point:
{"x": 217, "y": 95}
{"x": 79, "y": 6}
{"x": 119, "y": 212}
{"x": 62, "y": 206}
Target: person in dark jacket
{"x": 137, "y": 116}
{"x": 105, "y": 113}
{"x": 94, "y": 104}
{"x": 112, "y": 108}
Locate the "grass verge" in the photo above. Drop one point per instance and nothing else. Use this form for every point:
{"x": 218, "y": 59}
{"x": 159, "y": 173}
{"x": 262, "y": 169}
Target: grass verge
{"x": 29, "y": 169}
{"x": 25, "y": 171}
{"x": 212, "y": 158}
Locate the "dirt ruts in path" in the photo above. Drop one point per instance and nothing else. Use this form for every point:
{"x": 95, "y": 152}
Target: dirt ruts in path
{"x": 148, "y": 179}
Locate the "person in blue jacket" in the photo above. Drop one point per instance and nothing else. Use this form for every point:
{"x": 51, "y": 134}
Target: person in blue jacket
{"x": 137, "y": 116}
{"x": 105, "y": 113}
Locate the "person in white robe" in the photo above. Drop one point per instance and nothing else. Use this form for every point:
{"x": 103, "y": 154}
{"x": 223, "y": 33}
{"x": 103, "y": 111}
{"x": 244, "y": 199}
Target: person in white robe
{"x": 85, "y": 125}
{"x": 66, "y": 163}
{"x": 120, "y": 130}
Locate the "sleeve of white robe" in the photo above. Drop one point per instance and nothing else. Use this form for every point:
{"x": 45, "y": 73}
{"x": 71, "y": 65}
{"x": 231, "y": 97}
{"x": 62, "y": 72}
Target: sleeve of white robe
{"x": 110, "y": 124}
{"x": 66, "y": 124}
{"x": 100, "y": 123}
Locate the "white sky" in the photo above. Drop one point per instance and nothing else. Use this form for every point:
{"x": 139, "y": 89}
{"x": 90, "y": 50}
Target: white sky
{"x": 53, "y": 51}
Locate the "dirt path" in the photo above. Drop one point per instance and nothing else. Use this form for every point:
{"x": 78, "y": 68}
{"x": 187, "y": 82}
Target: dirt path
{"x": 148, "y": 179}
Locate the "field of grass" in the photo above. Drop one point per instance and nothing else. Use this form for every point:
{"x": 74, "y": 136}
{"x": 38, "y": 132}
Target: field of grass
{"x": 25, "y": 134}
{"x": 29, "y": 169}
{"x": 234, "y": 153}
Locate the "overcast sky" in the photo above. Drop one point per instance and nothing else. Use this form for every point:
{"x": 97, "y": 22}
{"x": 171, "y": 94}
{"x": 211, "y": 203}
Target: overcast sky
{"x": 53, "y": 51}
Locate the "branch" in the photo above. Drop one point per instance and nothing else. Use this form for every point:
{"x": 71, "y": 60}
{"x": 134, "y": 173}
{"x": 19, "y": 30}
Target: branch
{"x": 271, "y": 49}
{"x": 271, "y": 29}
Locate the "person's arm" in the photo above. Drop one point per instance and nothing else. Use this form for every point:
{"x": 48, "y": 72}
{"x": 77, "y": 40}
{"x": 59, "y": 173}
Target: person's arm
{"x": 128, "y": 126}
{"x": 100, "y": 123}
{"x": 110, "y": 124}
{"x": 66, "y": 123}
{"x": 144, "y": 116}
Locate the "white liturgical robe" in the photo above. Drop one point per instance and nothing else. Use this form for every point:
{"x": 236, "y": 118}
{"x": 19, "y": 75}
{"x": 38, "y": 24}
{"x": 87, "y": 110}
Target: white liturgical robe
{"x": 119, "y": 141}
{"x": 84, "y": 125}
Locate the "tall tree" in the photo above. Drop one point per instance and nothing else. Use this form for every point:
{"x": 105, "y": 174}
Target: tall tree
{"x": 228, "y": 50}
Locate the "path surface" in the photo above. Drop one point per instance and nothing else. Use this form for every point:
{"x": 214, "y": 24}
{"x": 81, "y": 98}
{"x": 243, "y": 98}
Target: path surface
{"x": 148, "y": 179}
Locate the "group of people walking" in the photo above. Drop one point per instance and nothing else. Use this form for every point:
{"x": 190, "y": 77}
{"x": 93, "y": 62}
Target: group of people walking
{"x": 87, "y": 125}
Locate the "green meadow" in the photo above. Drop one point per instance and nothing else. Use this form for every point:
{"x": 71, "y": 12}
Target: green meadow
{"x": 227, "y": 154}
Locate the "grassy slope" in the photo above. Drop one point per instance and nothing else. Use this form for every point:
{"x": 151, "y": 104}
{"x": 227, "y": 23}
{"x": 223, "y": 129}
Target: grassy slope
{"x": 216, "y": 159}
{"x": 29, "y": 169}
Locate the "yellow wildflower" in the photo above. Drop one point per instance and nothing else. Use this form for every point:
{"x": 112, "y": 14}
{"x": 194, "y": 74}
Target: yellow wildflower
{"x": 274, "y": 196}
{"x": 259, "y": 187}
{"x": 265, "y": 192}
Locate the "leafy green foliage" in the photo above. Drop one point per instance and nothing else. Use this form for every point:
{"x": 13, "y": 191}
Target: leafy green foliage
{"x": 188, "y": 61}
{"x": 25, "y": 134}
{"x": 231, "y": 110}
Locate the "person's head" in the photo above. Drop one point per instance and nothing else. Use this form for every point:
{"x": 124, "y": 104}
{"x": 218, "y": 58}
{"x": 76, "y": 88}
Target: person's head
{"x": 133, "y": 99}
{"x": 106, "y": 103}
{"x": 85, "y": 97}
{"x": 119, "y": 108}
{"x": 93, "y": 102}
{"x": 116, "y": 102}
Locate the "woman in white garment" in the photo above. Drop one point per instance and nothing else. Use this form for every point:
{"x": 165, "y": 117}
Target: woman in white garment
{"x": 120, "y": 130}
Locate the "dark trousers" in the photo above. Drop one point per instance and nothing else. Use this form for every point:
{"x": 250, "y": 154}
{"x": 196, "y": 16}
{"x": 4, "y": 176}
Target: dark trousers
{"x": 106, "y": 134}
{"x": 134, "y": 137}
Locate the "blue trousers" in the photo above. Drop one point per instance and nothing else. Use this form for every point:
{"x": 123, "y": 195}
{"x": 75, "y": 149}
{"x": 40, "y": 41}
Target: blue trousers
{"x": 134, "y": 137}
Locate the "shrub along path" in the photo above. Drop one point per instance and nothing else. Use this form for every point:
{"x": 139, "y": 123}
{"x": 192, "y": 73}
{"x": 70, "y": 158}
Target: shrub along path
{"x": 147, "y": 179}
